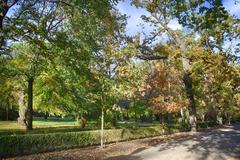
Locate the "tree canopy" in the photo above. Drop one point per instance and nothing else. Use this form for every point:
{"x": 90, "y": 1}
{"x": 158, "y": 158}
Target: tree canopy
{"x": 74, "y": 58}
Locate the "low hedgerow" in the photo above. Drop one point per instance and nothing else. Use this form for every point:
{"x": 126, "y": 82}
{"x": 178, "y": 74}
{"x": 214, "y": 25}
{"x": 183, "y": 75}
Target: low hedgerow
{"x": 35, "y": 143}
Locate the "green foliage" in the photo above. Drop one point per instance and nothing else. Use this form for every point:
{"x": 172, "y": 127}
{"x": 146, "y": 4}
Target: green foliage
{"x": 206, "y": 124}
{"x": 82, "y": 63}
{"x": 215, "y": 90}
{"x": 35, "y": 143}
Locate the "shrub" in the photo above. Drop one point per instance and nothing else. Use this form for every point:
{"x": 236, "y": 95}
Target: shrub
{"x": 206, "y": 124}
{"x": 36, "y": 143}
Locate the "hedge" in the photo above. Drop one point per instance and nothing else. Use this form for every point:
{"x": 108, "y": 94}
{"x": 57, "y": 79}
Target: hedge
{"x": 14, "y": 145}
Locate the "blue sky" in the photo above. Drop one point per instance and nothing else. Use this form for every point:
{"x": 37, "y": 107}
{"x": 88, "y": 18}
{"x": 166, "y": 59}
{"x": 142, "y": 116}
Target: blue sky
{"x": 135, "y": 20}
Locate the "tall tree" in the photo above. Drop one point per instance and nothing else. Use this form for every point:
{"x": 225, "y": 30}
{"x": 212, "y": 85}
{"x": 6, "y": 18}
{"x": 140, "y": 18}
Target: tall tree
{"x": 40, "y": 24}
{"x": 161, "y": 14}
{"x": 209, "y": 18}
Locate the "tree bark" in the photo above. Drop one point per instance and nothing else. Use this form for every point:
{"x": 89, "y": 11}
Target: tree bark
{"x": 7, "y": 111}
{"x": 114, "y": 120}
{"x": 45, "y": 116}
{"x": 161, "y": 118}
{"x": 81, "y": 121}
{"x": 22, "y": 108}
{"x": 29, "y": 114}
{"x": 2, "y": 15}
{"x": 102, "y": 128}
{"x": 187, "y": 79}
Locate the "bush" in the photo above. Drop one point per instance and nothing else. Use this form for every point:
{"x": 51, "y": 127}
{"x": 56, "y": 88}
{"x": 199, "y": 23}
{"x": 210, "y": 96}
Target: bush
{"x": 206, "y": 124}
{"x": 36, "y": 143}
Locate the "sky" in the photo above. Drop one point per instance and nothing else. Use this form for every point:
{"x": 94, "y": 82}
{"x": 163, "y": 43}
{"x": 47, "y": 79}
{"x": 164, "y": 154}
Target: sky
{"x": 135, "y": 23}
{"x": 135, "y": 20}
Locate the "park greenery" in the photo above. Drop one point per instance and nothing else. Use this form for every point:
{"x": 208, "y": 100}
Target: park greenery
{"x": 70, "y": 66}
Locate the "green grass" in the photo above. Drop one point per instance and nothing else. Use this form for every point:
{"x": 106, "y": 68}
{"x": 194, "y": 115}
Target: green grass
{"x": 59, "y": 125}
{"x": 52, "y": 123}
{"x": 36, "y": 124}
{"x": 4, "y": 125}
{"x": 39, "y": 123}
{"x": 40, "y": 126}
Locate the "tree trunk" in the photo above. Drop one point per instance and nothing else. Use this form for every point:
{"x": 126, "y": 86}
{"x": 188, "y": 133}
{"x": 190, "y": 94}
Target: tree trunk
{"x": 169, "y": 118}
{"x": 229, "y": 119}
{"x": 45, "y": 116}
{"x": 187, "y": 79}
{"x": 83, "y": 122}
{"x": 114, "y": 120}
{"x": 22, "y": 108}
{"x": 161, "y": 118}
{"x": 102, "y": 127}
{"x": 219, "y": 119}
{"x": 29, "y": 113}
{"x": 7, "y": 111}
{"x": 3, "y": 13}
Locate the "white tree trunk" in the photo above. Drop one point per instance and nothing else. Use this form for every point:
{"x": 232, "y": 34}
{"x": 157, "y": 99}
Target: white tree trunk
{"x": 22, "y": 108}
{"x": 102, "y": 127}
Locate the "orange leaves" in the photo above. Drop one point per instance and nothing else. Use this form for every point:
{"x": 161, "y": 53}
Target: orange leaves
{"x": 157, "y": 104}
{"x": 165, "y": 104}
{"x": 158, "y": 76}
{"x": 174, "y": 106}
{"x": 164, "y": 88}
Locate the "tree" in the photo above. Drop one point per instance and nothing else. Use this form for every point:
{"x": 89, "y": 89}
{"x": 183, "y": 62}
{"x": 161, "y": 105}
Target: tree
{"x": 216, "y": 83}
{"x": 26, "y": 64}
{"x": 34, "y": 26}
{"x": 40, "y": 24}
{"x": 161, "y": 13}
{"x": 212, "y": 22}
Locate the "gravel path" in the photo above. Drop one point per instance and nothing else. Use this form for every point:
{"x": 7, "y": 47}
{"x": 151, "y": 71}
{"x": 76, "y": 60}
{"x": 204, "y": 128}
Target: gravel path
{"x": 219, "y": 144}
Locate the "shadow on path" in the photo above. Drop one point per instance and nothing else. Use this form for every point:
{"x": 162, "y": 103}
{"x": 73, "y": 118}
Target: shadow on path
{"x": 217, "y": 144}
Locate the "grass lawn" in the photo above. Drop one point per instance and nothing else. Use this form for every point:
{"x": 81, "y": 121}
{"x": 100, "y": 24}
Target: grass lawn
{"x": 57, "y": 125}
{"x": 36, "y": 124}
{"x": 4, "y": 125}
{"x": 40, "y": 126}
{"x": 53, "y": 123}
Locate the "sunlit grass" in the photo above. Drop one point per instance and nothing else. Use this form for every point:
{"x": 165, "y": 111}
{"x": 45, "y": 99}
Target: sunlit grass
{"x": 51, "y": 123}
{"x": 37, "y": 124}
{"x": 60, "y": 125}
{"x": 9, "y": 125}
